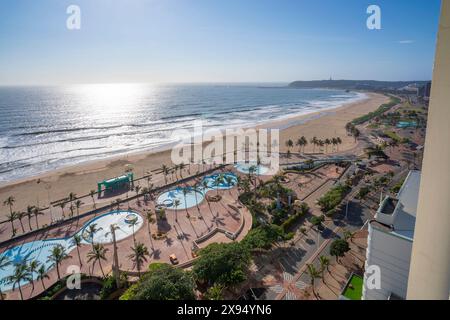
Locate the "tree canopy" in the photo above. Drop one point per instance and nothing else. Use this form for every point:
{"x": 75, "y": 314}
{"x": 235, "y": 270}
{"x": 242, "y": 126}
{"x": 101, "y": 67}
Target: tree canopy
{"x": 339, "y": 247}
{"x": 223, "y": 263}
{"x": 263, "y": 237}
{"x": 162, "y": 282}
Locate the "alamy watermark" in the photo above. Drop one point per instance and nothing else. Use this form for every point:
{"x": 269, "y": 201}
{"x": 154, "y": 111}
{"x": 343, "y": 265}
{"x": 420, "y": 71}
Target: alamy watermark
{"x": 73, "y": 280}
{"x": 374, "y": 20}
{"x": 73, "y": 21}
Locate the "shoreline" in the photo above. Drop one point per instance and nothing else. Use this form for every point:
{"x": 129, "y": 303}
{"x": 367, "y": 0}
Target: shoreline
{"x": 80, "y": 178}
{"x": 281, "y": 124}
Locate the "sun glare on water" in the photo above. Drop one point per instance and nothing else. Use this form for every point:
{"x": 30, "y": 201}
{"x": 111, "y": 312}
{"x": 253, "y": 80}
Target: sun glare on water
{"x": 113, "y": 98}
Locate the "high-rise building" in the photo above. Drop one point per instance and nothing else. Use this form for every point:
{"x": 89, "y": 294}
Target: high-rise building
{"x": 390, "y": 242}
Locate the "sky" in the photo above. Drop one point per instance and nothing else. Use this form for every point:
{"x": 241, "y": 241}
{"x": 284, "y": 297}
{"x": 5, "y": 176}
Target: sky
{"x": 215, "y": 41}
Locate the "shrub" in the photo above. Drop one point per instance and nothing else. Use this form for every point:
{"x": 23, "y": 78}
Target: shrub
{"x": 397, "y": 187}
{"x": 109, "y": 286}
{"x": 316, "y": 221}
{"x": 333, "y": 197}
{"x": 214, "y": 292}
{"x": 289, "y": 222}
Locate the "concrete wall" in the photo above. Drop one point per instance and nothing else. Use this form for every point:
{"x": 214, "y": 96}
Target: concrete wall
{"x": 430, "y": 267}
{"x": 393, "y": 255}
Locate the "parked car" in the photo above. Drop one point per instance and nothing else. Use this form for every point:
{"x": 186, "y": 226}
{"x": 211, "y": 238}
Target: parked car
{"x": 173, "y": 258}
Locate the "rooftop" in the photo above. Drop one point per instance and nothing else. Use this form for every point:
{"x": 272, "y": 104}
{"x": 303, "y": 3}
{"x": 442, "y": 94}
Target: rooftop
{"x": 402, "y": 211}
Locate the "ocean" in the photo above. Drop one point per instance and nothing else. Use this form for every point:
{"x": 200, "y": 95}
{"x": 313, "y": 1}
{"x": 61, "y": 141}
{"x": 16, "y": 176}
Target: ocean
{"x": 45, "y": 128}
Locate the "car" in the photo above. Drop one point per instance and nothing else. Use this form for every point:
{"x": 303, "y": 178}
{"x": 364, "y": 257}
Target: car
{"x": 173, "y": 258}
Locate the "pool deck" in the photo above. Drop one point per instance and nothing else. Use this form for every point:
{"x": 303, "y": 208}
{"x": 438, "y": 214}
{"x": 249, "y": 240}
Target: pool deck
{"x": 178, "y": 239}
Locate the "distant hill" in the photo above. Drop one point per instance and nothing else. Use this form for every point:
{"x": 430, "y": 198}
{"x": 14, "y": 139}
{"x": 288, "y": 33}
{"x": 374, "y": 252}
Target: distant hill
{"x": 358, "y": 84}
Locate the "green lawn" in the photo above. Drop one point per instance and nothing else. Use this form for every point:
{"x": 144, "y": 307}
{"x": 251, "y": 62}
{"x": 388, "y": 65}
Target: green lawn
{"x": 354, "y": 288}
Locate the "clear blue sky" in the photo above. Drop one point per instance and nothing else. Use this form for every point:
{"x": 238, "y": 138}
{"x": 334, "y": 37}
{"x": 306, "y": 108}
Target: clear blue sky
{"x": 215, "y": 41}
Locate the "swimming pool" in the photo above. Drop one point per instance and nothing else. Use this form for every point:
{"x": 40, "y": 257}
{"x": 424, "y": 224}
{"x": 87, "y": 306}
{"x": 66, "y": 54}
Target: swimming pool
{"x": 190, "y": 199}
{"x": 245, "y": 168}
{"x": 126, "y": 222}
{"x": 40, "y": 250}
{"x": 193, "y": 196}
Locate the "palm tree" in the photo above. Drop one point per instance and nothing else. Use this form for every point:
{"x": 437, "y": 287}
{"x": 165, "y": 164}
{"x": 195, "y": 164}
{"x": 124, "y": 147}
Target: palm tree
{"x": 77, "y": 240}
{"x": 181, "y": 167}
{"x": 304, "y": 142}
{"x": 137, "y": 189}
{"x": 289, "y": 144}
{"x": 20, "y": 215}
{"x": 42, "y": 275}
{"x": 4, "y": 262}
{"x": 321, "y": 144}
{"x": 57, "y": 256}
{"x": 349, "y": 127}
{"x": 138, "y": 256}
{"x": 195, "y": 189}
{"x": 36, "y": 213}
{"x": 356, "y": 133}
{"x": 133, "y": 224}
{"x": 150, "y": 220}
{"x": 62, "y": 205}
{"x": 98, "y": 253}
{"x": 78, "y": 204}
{"x": 175, "y": 171}
{"x": 149, "y": 179}
{"x": 348, "y": 235}
{"x": 230, "y": 182}
{"x": 314, "y": 274}
{"x": 217, "y": 182}
{"x": 144, "y": 191}
{"x": 11, "y": 217}
{"x": 339, "y": 141}
{"x": 9, "y": 202}
{"x": 334, "y": 142}
{"x": 176, "y": 203}
{"x": 92, "y": 194}
{"x": 324, "y": 264}
{"x": 314, "y": 143}
{"x": 185, "y": 192}
{"x": 165, "y": 172}
{"x": 92, "y": 229}
{"x": 327, "y": 143}
{"x": 21, "y": 274}
{"x": 29, "y": 213}
{"x": 115, "y": 265}
{"x": 299, "y": 144}
{"x": 72, "y": 196}
{"x": 33, "y": 267}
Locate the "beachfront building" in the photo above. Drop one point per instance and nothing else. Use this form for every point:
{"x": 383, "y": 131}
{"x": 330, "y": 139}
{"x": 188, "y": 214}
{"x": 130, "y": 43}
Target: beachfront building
{"x": 390, "y": 242}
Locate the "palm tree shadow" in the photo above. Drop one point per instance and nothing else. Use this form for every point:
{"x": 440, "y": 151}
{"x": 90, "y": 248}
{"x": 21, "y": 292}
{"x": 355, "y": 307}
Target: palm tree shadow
{"x": 156, "y": 254}
{"x": 168, "y": 241}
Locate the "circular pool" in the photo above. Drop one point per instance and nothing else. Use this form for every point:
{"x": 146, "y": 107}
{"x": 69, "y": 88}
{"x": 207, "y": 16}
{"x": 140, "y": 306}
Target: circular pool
{"x": 245, "y": 168}
{"x": 126, "y": 222}
{"x": 185, "y": 200}
{"x": 194, "y": 196}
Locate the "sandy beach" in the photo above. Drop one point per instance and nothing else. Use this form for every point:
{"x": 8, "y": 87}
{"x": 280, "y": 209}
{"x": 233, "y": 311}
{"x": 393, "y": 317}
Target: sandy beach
{"x": 82, "y": 178}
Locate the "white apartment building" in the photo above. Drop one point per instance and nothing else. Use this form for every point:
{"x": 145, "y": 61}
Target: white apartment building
{"x": 390, "y": 241}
